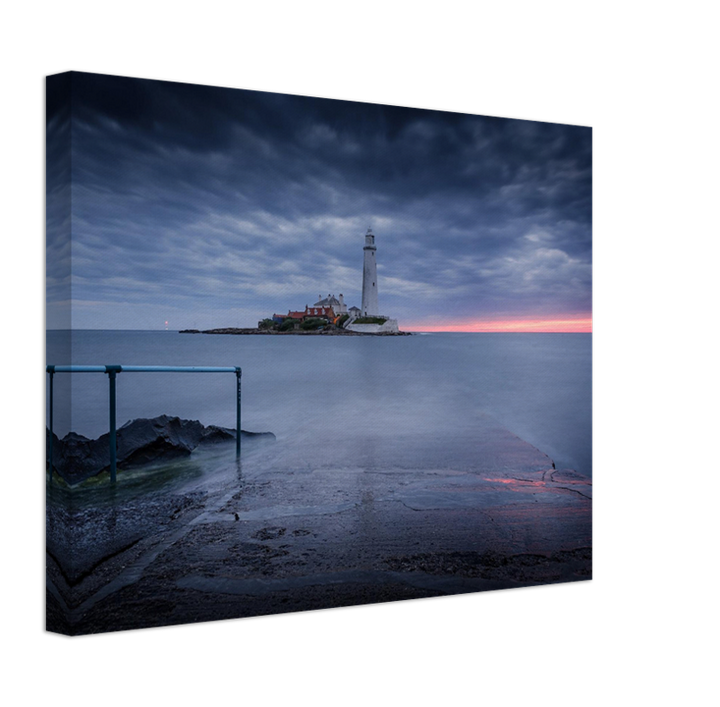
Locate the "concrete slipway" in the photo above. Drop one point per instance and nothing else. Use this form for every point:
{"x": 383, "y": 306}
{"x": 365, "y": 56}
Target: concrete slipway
{"x": 310, "y": 525}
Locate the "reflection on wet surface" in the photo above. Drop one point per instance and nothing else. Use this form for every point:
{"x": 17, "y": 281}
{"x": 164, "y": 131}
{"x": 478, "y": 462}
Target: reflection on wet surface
{"x": 296, "y": 526}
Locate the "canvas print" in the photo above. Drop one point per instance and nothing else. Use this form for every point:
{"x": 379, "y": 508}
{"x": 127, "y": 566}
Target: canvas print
{"x": 306, "y": 353}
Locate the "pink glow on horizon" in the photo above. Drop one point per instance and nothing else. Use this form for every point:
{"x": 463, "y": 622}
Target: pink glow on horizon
{"x": 579, "y": 324}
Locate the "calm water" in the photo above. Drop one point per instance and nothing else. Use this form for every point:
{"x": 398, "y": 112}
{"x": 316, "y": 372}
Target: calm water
{"x": 338, "y": 389}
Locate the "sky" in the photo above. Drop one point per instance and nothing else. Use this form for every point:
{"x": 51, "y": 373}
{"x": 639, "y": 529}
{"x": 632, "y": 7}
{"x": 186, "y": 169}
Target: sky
{"x": 199, "y": 207}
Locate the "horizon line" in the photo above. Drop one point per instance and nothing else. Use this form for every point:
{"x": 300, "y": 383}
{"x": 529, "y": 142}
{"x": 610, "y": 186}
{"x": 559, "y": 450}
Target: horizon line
{"x": 413, "y": 330}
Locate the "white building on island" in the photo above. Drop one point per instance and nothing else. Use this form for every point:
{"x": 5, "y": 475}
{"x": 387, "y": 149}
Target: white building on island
{"x": 366, "y": 319}
{"x": 337, "y": 303}
{"x": 370, "y": 308}
{"x": 369, "y": 287}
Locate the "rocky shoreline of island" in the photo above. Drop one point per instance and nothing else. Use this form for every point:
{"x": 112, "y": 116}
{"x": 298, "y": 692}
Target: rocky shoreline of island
{"x": 293, "y": 332}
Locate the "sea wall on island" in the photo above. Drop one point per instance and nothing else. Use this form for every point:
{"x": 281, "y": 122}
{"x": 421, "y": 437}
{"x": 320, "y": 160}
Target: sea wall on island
{"x": 388, "y": 327}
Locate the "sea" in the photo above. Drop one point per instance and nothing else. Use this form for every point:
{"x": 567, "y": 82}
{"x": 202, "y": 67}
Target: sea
{"x": 315, "y": 391}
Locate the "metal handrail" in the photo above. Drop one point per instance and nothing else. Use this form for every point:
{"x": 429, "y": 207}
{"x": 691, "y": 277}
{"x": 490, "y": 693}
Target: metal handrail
{"x": 112, "y": 370}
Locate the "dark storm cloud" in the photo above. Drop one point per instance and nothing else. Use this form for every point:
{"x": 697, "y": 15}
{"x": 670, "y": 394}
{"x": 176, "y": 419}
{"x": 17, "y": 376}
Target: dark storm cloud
{"x": 57, "y": 202}
{"x": 215, "y": 206}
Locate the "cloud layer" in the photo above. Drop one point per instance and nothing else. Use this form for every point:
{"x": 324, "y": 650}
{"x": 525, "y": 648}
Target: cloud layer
{"x": 217, "y": 207}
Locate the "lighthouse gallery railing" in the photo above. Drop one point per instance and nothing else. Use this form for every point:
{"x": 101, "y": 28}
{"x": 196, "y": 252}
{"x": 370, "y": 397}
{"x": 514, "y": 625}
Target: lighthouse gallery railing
{"x": 112, "y": 371}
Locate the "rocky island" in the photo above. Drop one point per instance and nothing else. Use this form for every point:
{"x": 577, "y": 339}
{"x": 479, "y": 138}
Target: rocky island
{"x": 324, "y": 331}
{"x": 330, "y": 316}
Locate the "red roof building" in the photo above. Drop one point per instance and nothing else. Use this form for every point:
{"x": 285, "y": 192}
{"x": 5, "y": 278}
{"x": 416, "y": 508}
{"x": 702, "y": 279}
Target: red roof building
{"x": 320, "y": 312}
{"x": 309, "y": 313}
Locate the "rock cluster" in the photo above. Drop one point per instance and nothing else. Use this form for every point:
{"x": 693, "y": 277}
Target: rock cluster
{"x": 139, "y": 442}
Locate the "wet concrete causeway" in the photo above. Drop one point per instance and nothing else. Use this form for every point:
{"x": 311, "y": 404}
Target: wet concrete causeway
{"x": 290, "y": 529}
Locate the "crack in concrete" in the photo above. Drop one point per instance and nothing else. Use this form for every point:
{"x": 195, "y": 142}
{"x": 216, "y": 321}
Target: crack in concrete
{"x": 579, "y": 493}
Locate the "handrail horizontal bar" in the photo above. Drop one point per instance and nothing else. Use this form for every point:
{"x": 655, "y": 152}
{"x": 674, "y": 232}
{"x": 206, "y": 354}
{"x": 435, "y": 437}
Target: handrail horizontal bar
{"x": 180, "y": 369}
{"x": 142, "y": 369}
{"x": 76, "y": 369}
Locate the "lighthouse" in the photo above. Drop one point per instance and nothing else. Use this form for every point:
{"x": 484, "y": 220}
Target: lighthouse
{"x": 369, "y": 290}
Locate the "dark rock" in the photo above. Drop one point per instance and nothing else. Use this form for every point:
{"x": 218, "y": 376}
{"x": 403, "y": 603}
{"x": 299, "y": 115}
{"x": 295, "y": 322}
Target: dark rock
{"x": 143, "y": 441}
{"x": 76, "y": 457}
{"x": 139, "y": 442}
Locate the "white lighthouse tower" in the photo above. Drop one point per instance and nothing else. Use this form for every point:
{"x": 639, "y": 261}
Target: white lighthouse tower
{"x": 369, "y": 289}
{"x": 383, "y": 324}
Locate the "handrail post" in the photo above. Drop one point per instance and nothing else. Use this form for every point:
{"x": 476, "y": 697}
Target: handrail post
{"x": 51, "y": 371}
{"x": 238, "y": 376}
{"x": 112, "y": 372}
